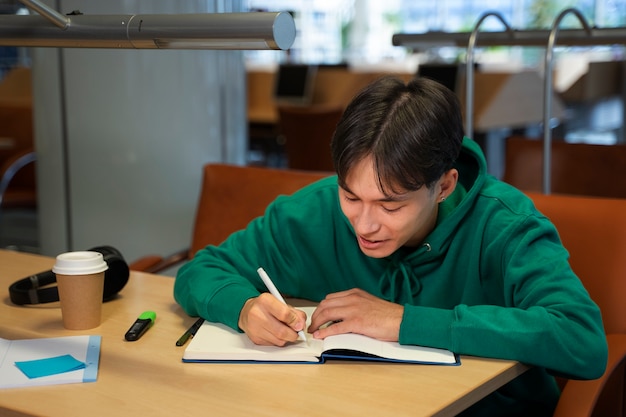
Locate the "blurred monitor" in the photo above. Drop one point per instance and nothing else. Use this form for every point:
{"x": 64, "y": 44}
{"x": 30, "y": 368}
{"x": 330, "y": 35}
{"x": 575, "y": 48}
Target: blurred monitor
{"x": 446, "y": 74}
{"x": 338, "y": 65}
{"x": 294, "y": 84}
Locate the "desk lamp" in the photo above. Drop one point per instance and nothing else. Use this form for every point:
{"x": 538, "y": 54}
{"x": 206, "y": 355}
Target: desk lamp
{"x": 255, "y": 30}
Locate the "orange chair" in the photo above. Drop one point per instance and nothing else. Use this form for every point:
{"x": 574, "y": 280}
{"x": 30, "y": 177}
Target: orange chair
{"x": 231, "y": 196}
{"x": 17, "y": 156}
{"x": 307, "y": 132}
{"x": 17, "y": 181}
{"x": 576, "y": 168}
{"x": 593, "y": 230}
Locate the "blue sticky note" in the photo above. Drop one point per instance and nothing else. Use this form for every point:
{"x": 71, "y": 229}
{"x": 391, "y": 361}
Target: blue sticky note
{"x": 50, "y": 366}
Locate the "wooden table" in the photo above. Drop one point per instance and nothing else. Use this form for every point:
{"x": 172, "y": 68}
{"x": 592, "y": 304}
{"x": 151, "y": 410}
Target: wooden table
{"x": 147, "y": 377}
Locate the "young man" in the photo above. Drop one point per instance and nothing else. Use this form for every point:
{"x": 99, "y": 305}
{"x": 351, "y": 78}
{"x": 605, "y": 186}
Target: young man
{"x": 413, "y": 242}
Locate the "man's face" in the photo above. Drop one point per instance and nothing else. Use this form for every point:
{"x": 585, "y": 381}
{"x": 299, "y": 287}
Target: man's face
{"x": 384, "y": 223}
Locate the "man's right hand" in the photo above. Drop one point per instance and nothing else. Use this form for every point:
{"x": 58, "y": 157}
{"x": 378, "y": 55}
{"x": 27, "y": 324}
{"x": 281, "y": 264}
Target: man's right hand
{"x": 267, "y": 321}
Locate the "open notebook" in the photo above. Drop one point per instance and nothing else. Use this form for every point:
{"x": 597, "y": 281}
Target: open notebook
{"x": 216, "y": 342}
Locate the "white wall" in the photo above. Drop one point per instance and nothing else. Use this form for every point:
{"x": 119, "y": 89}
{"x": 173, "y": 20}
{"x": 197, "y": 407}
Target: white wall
{"x": 121, "y": 135}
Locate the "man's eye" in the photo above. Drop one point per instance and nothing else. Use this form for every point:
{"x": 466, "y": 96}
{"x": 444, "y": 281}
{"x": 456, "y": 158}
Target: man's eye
{"x": 391, "y": 209}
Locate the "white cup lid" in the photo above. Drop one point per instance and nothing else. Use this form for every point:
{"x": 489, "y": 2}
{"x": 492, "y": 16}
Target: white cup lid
{"x": 79, "y": 263}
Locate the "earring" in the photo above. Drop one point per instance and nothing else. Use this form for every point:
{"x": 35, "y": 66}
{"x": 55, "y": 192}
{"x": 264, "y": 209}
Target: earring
{"x": 443, "y": 199}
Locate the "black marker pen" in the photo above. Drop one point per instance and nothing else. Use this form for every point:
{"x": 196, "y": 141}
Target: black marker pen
{"x": 139, "y": 327}
{"x": 191, "y": 332}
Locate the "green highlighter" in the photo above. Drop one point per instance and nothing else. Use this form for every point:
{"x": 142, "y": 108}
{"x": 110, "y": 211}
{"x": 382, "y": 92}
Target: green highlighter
{"x": 139, "y": 327}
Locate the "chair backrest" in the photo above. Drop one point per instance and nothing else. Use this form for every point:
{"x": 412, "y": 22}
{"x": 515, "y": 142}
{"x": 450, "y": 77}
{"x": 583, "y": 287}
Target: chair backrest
{"x": 18, "y": 187}
{"x": 231, "y": 196}
{"x": 577, "y": 168}
{"x": 17, "y": 167}
{"x": 593, "y": 230}
{"x": 307, "y": 132}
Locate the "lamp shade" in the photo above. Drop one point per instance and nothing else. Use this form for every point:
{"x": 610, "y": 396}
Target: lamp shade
{"x": 254, "y": 30}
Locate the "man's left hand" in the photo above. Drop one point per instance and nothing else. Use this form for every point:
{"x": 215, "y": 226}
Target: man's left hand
{"x": 356, "y": 311}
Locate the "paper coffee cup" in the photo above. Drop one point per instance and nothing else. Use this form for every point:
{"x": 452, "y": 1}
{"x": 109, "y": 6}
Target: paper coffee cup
{"x": 80, "y": 280}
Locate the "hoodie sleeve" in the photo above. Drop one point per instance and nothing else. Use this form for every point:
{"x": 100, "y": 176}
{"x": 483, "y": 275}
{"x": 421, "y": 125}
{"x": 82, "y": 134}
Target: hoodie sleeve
{"x": 218, "y": 281}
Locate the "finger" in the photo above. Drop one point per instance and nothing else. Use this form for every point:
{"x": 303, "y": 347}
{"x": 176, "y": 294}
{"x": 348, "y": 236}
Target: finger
{"x": 266, "y": 338}
{"x": 290, "y": 316}
{"x": 329, "y": 329}
{"x": 300, "y": 320}
{"x": 325, "y": 314}
{"x": 340, "y": 294}
{"x": 272, "y": 332}
{"x": 262, "y": 320}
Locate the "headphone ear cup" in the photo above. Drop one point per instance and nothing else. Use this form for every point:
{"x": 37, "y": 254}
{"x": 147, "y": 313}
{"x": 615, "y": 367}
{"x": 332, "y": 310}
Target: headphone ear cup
{"x": 116, "y": 276}
{"x": 107, "y": 251}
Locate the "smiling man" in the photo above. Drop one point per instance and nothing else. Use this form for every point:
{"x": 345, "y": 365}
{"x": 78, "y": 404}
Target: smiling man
{"x": 412, "y": 241}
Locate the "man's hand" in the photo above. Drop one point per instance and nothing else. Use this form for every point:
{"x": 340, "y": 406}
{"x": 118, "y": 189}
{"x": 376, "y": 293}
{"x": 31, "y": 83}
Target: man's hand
{"x": 356, "y": 311}
{"x": 267, "y": 321}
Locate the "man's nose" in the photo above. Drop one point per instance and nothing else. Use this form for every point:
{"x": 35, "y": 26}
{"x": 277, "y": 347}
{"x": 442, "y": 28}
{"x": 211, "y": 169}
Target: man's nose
{"x": 367, "y": 222}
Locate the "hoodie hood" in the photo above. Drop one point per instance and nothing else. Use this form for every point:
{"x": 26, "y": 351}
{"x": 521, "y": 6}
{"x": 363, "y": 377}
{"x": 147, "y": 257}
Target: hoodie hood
{"x": 401, "y": 280}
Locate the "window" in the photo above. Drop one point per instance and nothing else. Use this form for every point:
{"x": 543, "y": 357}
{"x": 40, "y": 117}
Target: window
{"x": 359, "y": 31}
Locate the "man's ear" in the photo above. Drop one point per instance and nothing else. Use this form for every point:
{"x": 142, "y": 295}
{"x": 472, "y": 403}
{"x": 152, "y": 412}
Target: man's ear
{"x": 447, "y": 183}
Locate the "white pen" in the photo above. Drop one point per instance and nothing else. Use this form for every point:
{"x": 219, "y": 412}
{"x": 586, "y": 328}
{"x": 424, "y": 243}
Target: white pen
{"x": 274, "y": 291}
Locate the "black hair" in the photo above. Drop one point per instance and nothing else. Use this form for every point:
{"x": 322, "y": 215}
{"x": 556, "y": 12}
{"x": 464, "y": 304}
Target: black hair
{"x": 412, "y": 131}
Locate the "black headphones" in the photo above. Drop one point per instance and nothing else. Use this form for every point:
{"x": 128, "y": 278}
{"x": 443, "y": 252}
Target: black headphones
{"x": 30, "y": 290}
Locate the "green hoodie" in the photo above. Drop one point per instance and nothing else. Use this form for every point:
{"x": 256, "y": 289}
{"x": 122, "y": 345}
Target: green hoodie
{"x": 492, "y": 279}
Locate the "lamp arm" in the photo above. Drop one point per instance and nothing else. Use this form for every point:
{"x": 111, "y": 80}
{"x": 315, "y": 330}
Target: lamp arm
{"x": 52, "y": 15}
